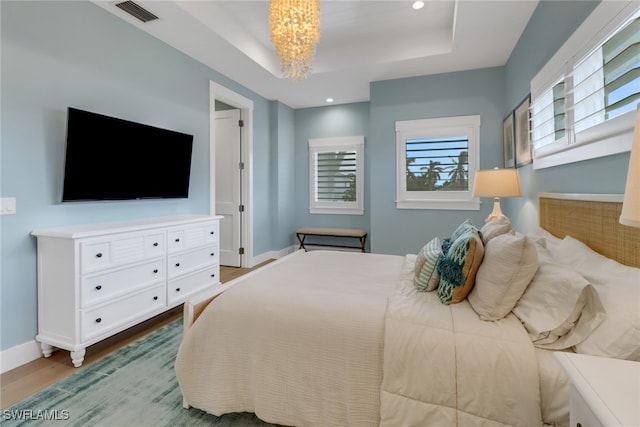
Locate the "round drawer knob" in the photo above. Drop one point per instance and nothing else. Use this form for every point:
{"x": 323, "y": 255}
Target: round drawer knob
{"x": 155, "y": 298}
{"x": 98, "y": 287}
{"x": 177, "y": 240}
{"x": 213, "y": 275}
{"x": 177, "y": 289}
{"x": 155, "y": 271}
{"x": 99, "y": 319}
{"x": 155, "y": 243}
{"x": 99, "y": 255}
{"x": 177, "y": 264}
{"x": 213, "y": 254}
{"x": 212, "y": 233}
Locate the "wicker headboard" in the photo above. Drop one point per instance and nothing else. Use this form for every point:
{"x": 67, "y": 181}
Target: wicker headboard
{"x": 592, "y": 219}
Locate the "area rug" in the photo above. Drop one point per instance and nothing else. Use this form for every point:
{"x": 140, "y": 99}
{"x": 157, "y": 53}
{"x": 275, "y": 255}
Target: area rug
{"x": 135, "y": 386}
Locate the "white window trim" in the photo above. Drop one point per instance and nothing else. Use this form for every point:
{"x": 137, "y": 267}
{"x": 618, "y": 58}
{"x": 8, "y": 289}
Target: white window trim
{"x": 346, "y": 143}
{"x": 445, "y": 126}
{"x": 614, "y": 135}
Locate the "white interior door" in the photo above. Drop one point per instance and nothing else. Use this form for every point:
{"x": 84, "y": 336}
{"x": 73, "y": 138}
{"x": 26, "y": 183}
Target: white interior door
{"x": 229, "y": 185}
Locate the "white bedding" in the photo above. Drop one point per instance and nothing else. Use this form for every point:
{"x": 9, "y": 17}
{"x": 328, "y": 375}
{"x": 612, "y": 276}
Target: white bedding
{"x": 302, "y": 343}
{"x": 443, "y": 366}
{"x": 299, "y": 344}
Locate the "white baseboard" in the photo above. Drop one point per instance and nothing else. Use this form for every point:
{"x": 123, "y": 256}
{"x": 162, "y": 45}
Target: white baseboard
{"x": 271, "y": 255}
{"x": 19, "y": 355}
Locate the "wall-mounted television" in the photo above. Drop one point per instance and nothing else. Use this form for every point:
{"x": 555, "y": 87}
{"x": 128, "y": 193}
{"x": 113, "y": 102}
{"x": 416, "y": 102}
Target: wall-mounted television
{"x": 108, "y": 158}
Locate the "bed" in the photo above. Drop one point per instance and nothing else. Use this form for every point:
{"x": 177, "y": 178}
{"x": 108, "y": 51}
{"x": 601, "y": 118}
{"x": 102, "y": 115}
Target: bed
{"x": 331, "y": 338}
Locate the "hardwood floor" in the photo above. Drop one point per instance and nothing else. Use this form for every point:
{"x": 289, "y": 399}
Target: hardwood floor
{"x": 34, "y": 376}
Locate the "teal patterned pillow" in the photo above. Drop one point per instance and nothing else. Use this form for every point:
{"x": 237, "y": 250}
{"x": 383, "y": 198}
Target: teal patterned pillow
{"x": 462, "y": 228}
{"x": 459, "y": 265}
{"x": 426, "y": 273}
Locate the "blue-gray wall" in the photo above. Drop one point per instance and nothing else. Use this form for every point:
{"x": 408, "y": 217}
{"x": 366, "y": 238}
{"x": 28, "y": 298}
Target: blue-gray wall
{"x": 59, "y": 54}
{"x": 329, "y": 122}
{"x": 478, "y": 92}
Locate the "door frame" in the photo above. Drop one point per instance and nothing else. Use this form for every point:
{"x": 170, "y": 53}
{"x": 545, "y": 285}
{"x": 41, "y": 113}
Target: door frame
{"x": 245, "y": 105}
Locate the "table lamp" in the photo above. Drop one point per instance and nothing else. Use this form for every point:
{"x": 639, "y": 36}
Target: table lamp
{"x": 497, "y": 183}
{"x": 630, "y": 215}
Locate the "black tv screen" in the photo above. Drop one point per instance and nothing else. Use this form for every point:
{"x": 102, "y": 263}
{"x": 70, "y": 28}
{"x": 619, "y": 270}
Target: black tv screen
{"x": 113, "y": 159}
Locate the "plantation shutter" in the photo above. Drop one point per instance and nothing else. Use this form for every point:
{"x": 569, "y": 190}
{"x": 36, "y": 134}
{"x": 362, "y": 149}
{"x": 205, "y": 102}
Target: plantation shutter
{"x": 437, "y": 164}
{"x": 336, "y": 176}
{"x": 548, "y": 116}
{"x": 607, "y": 82}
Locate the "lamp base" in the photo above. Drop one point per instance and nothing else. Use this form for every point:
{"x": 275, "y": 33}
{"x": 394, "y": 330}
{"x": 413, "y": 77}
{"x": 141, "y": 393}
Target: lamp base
{"x": 496, "y": 214}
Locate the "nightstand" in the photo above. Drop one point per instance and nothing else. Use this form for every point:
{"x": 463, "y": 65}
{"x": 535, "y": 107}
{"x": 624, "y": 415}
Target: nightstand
{"x": 604, "y": 392}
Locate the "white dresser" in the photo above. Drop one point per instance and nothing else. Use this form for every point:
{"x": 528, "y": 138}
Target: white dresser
{"x": 97, "y": 280}
{"x": 604, "y": 392}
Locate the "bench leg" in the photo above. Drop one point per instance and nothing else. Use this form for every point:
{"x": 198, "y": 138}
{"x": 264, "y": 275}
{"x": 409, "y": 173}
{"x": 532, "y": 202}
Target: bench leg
{"x": 363, "y": 241}
{"x": 301, "y": 238}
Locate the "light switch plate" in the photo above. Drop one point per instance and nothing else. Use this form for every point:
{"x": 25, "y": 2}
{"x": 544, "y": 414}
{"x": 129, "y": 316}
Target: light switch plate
{"x": 7, "y": 206}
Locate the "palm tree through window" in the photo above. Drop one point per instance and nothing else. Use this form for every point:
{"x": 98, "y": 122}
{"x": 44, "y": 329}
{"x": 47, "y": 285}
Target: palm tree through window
{"x": 437, "y": 164}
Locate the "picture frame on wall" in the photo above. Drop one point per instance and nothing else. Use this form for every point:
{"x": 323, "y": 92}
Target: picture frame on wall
{"x": 522, "y": 131}
{"x": 508, "y": 141}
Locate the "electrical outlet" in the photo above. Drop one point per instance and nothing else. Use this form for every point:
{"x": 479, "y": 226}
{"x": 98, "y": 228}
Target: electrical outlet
{"x": 7, "y": 206}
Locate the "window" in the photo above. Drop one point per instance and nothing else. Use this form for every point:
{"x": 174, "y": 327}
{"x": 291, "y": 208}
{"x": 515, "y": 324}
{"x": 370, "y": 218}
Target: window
{"x": 336, "y": 180}
{"x": 551, "y": 123}
{"x": 436, "y": 163}
{"x": 587, "y": 111}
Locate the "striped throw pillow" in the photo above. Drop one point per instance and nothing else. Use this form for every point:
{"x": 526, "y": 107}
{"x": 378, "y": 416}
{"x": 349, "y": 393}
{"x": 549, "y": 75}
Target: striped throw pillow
{"x": 426, "y": 272}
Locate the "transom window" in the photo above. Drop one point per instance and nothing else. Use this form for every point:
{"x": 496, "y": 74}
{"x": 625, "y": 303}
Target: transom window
{"x": 588, "y": 111}
{"x": 436, "y": 163}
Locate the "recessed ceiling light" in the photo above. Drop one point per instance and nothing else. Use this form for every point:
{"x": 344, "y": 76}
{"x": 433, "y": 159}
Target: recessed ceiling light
{"x": 418, "y": 5}
{"x": 329, "y": 99}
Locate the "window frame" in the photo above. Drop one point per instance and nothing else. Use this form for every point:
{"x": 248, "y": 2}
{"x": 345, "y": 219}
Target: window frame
{"x": 347, "y": 143}
{"x": 610, "y": 137}
{"x": 437, "y": 128}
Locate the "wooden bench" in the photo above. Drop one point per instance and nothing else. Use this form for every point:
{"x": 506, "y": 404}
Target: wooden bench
{"x": 361, "y": 235}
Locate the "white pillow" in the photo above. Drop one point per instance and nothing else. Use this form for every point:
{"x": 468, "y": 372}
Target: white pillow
{"x": 510, "y": 262}
{"x": 496, "y": 228}
{"x": 543, "y": 238}
{"x": 618, "y": 286}
{"x": 560, "y": 308}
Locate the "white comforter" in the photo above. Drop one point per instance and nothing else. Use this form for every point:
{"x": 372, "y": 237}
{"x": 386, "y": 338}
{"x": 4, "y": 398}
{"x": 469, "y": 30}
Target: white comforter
{"x": 298, "y": 344}
{"x": 445, "y": 367}
{"x": 302, "y": 343}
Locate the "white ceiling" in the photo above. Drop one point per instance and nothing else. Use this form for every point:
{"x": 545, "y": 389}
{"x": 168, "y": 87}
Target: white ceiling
{"x": 360, "y": 41}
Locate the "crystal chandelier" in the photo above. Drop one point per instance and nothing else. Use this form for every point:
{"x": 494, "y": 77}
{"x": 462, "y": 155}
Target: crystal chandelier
{"x": 295, "y": 31}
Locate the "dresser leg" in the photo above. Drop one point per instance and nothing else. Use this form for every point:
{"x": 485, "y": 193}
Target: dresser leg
{"x": 46, "y": 349}
{"x": 77, "y": 357}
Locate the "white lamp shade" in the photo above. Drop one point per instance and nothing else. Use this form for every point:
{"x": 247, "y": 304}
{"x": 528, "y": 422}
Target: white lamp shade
{"x": 631, "y": 205}
{"x": 497, "y": 183}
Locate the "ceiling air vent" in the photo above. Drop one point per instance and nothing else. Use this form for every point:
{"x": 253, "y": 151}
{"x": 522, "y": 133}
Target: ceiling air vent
{"x": 137, "y": 11}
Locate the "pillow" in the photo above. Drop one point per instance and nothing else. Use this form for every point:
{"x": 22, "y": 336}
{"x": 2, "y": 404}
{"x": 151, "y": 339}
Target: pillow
{"x": 464, "y": 227}
{"x": 560, "y": 308}
{"x": 459, "y": 265}
{"x": 543, "y": 238}
{"x": 510, "y": 262}
{"x": 426, "y": 273}
{"x": 493, "y": 229}
{"x": 618, "y": 286}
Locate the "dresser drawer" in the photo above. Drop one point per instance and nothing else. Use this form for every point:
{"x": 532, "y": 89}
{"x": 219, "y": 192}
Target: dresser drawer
{"x": 98, "y": 255}
{"x": 186, "y": 262}
{"x": 121, "y": 312}
{"x": 179, "y": 289}
{"x": 100, "y": 287}
{"x": 182, "y": 238}
{"x": 154, "y": 245}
